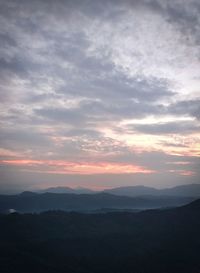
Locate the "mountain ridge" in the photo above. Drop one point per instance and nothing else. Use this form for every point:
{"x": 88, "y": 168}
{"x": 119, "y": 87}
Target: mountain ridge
{"x": 132, "y": 191}
{"x": 181, "y": 190}
{"x": 34, "y": 202}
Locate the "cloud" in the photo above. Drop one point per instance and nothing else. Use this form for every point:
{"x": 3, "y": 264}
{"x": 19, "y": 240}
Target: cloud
{"x": 24, "y": 139}
{"x": 63, "y": 167}
{"x": 61, "y": 115}
{"x": 167, "y": 128}
{"x": 186, "y": 108}
{"x": 100, "y": 81}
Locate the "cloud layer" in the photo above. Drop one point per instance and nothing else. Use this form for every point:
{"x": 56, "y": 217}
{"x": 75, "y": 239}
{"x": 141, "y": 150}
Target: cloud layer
{"x": 109, "y": 85}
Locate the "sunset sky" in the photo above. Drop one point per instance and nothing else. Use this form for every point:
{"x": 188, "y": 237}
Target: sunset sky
{"x": 99, "y": 94}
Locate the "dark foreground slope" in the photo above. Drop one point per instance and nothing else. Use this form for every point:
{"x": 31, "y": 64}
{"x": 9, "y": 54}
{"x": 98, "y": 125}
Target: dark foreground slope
{"x": 151, "y": 241}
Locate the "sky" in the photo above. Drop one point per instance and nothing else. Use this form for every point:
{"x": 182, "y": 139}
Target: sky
{"x": 99, "y": 94}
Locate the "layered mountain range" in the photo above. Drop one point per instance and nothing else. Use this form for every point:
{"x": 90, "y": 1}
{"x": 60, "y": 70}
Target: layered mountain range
{"x": 83, "y": 200}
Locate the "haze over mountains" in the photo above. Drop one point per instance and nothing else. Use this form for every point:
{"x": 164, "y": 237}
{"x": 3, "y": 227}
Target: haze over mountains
{"x": 183, "y": 190}
{"x": 33, "y": 202}
{"x": 78, "y": 190}
{"x": 84, "y": 200}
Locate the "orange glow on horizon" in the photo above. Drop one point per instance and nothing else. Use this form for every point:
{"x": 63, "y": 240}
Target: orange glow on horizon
{"x": 68, "y": 167}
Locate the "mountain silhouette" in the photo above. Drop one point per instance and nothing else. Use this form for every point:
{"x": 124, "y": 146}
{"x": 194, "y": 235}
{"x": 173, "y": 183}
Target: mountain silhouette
{"x": 182, "y": 190}
{"x": 78, "y": 190}
{"x": 35, "y": 202}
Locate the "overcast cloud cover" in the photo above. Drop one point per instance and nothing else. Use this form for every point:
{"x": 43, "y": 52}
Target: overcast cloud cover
{"x": 99, "y": 93}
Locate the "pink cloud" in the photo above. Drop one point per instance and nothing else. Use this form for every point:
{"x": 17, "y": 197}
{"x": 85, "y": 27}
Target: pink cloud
{"x": 68, "y": 167}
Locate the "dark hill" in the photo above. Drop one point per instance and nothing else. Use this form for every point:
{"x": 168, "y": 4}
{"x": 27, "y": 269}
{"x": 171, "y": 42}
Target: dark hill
{"x": 195, "y": 205}
{"x": 152, "y": 241}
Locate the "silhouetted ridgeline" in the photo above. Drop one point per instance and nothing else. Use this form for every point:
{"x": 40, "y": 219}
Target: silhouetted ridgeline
{"x": 134, "y": 191}
{"x": 182, "y": 190}
{"x": 154, "y": 241}
{"x": 33, "y": 202}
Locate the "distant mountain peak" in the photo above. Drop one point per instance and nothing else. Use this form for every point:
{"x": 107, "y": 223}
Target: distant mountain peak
{"x": 62, "y": 189}
{"x": 28, "y": 193}
{"x": 189, "y": 190}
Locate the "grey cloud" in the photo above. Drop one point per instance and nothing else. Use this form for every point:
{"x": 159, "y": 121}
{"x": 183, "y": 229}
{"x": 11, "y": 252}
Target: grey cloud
{"x": 40, "y": 98}
{"x": 143, "y": 89}
{"x": 155, "y": 160}
{"x": 91, "y": 77}
{"x": 92, "y": 134}
{"x": 97, "y": 77}
{"x": 166, "y": 128}
{"x": 71, "y": 116}
{"x": 23, "y": 138}
{"x": 172, "y": 144}
{"x": 125, "y": 109}
{"x": 45, "y": 59}
{"x": 6, "y": 40}
{"x": 185, "y": 14}
{"x": 100, "y": 79}
{"x": 186, "y": 107}
{"x": 14, "y": 66}
{"x": 96, "y": 112}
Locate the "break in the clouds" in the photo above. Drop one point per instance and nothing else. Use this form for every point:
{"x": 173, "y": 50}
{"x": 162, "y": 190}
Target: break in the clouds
{"x": 99, "y": 93}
